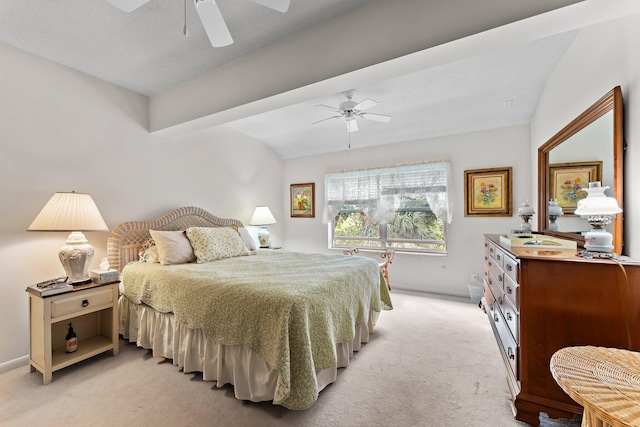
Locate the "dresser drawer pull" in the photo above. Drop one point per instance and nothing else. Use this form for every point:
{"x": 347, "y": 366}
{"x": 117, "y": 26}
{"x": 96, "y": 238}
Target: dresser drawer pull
{"x": 509, "y": 267}
{"x": 499, "y": 278}
{"x": 496, "y": 318}
{"x": 490, "y": 264}
{"x": 509, "y": 317}
{"x": 491, "y": 250}
{"x": 498, "y": 257}
{"x": 510, "y": 353}
{"x": 500, "y": 300}
{"x": 490, "y": 281}
{"x": 85, "y": 303}
{"x": 509, "y": 290}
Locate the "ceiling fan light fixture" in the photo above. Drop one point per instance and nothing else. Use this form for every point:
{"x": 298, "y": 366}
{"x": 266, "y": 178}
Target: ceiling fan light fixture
{"x": 279, "y": 5}
{"x": 213, "y": 23}
{"x": 127, "y": 5}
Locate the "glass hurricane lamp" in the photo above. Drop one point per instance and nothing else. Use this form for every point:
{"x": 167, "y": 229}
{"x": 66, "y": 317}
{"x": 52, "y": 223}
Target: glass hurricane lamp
{"x": 599, "y": 210}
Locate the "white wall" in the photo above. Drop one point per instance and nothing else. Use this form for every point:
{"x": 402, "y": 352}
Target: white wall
{"x": 436, "y": 274}
{"x": 61, "y": 130}
{"x": 601, "y": 57}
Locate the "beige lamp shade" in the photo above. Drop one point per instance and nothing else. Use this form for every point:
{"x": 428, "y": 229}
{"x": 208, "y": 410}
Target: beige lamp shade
{"x": 262, "y": 216}
{"x": 69, "y": 212}
{"x": 74, "y": 212}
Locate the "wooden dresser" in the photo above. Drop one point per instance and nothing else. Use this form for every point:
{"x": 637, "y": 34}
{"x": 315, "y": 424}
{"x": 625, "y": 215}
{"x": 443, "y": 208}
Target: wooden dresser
{"x": 541, "y": 300}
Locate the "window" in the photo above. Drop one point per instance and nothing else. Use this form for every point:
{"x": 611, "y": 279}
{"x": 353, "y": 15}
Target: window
{"x": 405, "y": 208}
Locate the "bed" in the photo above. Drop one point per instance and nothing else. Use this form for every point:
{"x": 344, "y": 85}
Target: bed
{"x": 276, "y": 325}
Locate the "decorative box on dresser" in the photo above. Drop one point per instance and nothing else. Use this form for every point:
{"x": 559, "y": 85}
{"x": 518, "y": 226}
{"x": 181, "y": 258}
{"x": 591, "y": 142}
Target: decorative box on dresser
{"x": 541, "y": 300}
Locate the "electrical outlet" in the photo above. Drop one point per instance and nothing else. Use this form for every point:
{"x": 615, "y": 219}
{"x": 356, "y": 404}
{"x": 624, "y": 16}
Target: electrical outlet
{"x": 474, "y": 276}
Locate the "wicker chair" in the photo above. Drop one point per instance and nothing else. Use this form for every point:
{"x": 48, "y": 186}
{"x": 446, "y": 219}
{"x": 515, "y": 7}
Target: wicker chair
{"x": 605, "y": 381}
{"x": 387, "y": 257}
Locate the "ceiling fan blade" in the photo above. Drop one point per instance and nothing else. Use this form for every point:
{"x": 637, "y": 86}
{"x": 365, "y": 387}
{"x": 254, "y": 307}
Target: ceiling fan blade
{"x": 279, "y": 5}
{"x": 127, "y": 5}
{"x": 364, "y": 105}
{"x": 352, "y": 126}
{"x": 324, "y": 120}
{"x": 213, "y": 23}
{"x": 337, "y": 110}
{"x": 377, "y": 117}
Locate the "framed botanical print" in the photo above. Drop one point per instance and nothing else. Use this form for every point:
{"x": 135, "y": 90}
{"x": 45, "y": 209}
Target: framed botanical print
{"x": 487, "y": 192}
{"x": 303, "y": 204}
{"x": 567, "y": 182}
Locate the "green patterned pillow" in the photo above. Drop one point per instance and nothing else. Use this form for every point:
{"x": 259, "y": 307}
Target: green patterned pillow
{"x": 212, "y": 243}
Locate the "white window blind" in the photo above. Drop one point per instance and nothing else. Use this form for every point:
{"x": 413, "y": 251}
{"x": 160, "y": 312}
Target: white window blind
{"x": 381, "y": 189}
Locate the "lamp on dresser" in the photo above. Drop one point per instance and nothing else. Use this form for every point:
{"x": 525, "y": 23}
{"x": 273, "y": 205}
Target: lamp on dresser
{"x": 73, "y": 212}
{"x": 599, "y": 210}
{"x": 262, "y": 217}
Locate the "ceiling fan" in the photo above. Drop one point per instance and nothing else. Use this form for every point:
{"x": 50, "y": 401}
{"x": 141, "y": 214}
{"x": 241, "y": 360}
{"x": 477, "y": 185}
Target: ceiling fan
{"x": 350, "y": 110}
{"x": 209, "y": 14}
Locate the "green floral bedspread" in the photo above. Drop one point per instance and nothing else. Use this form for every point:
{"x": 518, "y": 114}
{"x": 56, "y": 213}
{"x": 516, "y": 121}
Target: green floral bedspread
{"x": 290, "y": 308}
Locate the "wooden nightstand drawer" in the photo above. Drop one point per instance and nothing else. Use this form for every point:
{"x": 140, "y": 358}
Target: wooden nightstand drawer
{"x": 78, "y": 304}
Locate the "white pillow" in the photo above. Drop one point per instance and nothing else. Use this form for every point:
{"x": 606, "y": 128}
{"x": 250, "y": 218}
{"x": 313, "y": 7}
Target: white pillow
{"x": 247, "y": 239}
{"x": 212, "y": 243}
{"x": 173, "y": 247}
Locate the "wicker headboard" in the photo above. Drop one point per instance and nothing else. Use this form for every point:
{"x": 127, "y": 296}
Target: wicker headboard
{"x": 126, "y": 240}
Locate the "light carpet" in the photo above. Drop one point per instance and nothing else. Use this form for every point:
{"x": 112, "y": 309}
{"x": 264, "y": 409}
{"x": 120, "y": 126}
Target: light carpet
{"x": 431, "y": 362}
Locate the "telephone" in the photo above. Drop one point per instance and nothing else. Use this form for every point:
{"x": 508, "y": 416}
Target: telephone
{"x": 56, "y": 282}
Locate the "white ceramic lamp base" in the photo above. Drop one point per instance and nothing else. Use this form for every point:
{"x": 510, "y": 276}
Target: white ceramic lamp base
{"x": 76, "y": 258}
{"x": 264, "y": 237}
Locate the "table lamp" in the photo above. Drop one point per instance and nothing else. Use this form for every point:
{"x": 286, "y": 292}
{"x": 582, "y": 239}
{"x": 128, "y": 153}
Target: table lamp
{"x": 262, "y": 216}
{"x": 71, "y": 212}
{"x": 525, "y": 211}
{"x": 599, "y": 210}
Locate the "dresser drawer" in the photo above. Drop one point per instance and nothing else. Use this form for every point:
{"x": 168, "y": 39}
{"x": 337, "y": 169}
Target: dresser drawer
{"x": 512, "y": 268}
{"x": 512, "y": 291}
{"x": 507, "y": 343}
{"x": 87, "y": 301}
{"x": 511, "y": 318}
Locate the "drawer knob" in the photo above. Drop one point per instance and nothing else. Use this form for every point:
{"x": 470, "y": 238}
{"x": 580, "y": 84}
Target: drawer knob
{"x": 490, "y": 264}
{"x": 510, "y": 353}
{"x": 509, "y": 267}
{"x": 509, "y": 317}
{"x": 496, "y": 318}
{"x": 85, "y": 303}
{"x": 499, "y": 278}
{"x": 500, "y": 300}
{"x": 509, "y": 291}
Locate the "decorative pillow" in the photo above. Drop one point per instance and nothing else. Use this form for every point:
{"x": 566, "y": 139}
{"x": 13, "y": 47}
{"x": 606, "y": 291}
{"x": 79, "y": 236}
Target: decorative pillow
{"x": 247, "y": 239}
{"x": 150, "y": 255}
{"x": 212, "y": 243}
{"x": 173, "y": 247}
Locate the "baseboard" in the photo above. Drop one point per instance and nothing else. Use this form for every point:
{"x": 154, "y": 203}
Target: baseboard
{"x": 15, "y": 363}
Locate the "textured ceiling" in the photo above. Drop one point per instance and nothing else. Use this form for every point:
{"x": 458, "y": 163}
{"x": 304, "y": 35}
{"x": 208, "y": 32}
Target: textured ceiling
{"x": 145, "y": 51}
{"x": 482, "y": 92}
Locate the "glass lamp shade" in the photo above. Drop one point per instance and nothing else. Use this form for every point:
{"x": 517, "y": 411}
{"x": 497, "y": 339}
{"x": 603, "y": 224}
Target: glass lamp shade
{"x": 74, "y": 212}
{"x": 262, "y": 216}
{"x": 555, "y": 212}
{"x": 599, "y": 210}
{"x": 525, "y": 211}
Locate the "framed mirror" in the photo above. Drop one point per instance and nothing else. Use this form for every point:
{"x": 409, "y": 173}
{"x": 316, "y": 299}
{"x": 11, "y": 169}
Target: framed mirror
{"x": 589, "y": 147}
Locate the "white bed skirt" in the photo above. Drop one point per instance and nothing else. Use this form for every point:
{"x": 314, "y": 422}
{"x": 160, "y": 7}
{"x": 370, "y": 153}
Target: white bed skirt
{"x": 193, "y": 351}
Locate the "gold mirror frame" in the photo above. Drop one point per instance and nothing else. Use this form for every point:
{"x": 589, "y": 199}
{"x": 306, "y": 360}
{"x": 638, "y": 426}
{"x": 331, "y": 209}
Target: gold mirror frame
{"x": 612, "y": 101}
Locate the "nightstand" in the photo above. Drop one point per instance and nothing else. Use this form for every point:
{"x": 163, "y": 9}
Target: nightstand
{"x": 93, "y": 310}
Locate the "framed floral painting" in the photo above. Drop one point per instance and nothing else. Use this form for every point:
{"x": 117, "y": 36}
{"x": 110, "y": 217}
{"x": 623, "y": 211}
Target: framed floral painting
{"x": 487, "y": 192}
{"x": 303, "y": 204}
{"x": 568, "y": 181}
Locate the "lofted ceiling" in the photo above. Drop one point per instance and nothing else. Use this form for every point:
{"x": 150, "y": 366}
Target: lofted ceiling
{"x": 146, "y": 51}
